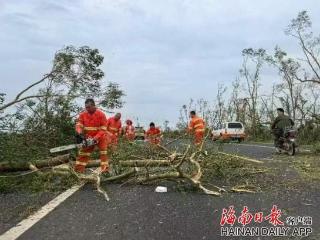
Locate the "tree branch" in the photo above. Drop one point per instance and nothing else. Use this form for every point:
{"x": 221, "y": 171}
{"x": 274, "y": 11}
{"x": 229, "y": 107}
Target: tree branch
{"x": 18, "y": 99}
{"x": 32, "y": 85}
{"x": 24, "y": 98}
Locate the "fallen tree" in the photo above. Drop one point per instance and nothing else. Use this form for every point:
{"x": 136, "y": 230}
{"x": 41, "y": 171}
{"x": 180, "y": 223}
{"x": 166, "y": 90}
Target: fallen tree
{"x": 173, "y": 166}
{"x": 25, "y": 166}
{"x": 138, "y": 164}
{"x": 176, "y": 166}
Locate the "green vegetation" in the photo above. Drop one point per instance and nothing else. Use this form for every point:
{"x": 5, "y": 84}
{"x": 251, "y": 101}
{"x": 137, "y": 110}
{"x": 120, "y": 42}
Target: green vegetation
{"x": 247, "y": 100}
{"x": 36, "y": 182}
{"x": 44, "y": 118}
{"x": 42, "y": 115}
{"x": 308, "y": 166}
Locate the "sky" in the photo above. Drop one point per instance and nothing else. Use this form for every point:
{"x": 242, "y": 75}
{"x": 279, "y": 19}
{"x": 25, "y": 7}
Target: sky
{"x": 161, "y": 52}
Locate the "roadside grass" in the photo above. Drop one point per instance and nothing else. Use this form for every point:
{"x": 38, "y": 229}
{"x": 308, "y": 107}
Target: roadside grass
{"x": 308, "y": 166}
{"x": 316, "y": 148}
{"x": 35, "y": 182}
{"x": 299, "y": 173}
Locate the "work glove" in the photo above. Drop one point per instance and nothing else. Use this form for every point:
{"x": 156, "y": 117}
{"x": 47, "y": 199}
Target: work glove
{"x": 80, "y": 138}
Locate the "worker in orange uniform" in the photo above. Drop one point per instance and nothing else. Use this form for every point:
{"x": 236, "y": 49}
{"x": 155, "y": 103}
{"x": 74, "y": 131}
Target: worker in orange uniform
{"x": 129, "y": 131}
{"x": 114, "y": 129}
{"x": 197, "y": 128}
{"x": 91, "y": 127}
{"x": 153, "y": 135}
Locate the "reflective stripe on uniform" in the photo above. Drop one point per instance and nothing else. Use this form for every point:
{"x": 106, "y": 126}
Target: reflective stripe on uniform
{"x": 91, "y": 128}
{"x": 84, "y": 153}
{"x": 104, "y": 163}
{"x": 199, "y": 130}
{"x": 155, "y": 135}
{"x": 198, "y": 125}
{"x": 103, "y": 128}
{"x": 197, "y": 120}
{"x": 114, "y": 129}
{"x": 81, "y": 163}
{"x": 103, "y": 152}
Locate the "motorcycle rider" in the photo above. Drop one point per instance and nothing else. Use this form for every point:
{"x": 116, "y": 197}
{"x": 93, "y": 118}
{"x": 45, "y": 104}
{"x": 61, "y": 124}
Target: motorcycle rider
{"x": 281, "y": 122}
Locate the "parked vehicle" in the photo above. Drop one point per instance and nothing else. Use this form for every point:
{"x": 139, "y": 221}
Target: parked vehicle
{"x": 229, "y": 131}
{"x": 139, "y": 133}
{"x": 288, "y": 142}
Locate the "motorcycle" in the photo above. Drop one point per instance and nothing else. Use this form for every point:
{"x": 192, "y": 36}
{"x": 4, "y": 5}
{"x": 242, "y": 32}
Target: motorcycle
{"x": 288, "y": 142}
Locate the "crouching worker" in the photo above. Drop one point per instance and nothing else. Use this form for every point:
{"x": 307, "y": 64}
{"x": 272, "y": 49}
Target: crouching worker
{"x": 91, "y": 130}
{"x": 153, "y": 135}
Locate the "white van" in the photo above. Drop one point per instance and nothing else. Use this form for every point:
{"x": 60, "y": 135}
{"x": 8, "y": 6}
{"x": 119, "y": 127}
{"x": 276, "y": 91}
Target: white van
{"x": 229, "y": 131}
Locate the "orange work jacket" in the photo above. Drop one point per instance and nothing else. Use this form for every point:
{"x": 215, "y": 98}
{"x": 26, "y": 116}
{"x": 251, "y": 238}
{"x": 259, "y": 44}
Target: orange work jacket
{"x": 197, "y": 124}
{"x": 153, "y": 135}
{"x": 92, "y": 125}
{"x": 129, "y": 130}
{"x": 114, "y": 126}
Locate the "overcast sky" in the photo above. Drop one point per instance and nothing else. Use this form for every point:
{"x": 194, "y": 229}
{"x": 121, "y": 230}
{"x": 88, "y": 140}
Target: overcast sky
{"x": 161, "y": 52}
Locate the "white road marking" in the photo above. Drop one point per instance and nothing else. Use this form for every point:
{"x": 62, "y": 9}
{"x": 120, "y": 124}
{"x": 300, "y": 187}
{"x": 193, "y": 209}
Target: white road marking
{"x": 263, "y": 146}
{"x": 27, "y": 223}
{"x": 255, "y": 145}
{"x": 241, "y": 144}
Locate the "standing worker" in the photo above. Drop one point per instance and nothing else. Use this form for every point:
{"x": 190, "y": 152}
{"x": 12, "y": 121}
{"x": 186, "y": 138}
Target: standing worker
{"x": 114, "y": 128}
{"x": 153, "y": 135}
{"x": 91, "y": 127}
{"x": 197, "y": 128}
{"x": 129, "y": 131}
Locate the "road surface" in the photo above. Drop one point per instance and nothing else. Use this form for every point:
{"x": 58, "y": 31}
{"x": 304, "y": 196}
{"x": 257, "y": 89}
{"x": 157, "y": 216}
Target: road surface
{"x": 137, "y": 212}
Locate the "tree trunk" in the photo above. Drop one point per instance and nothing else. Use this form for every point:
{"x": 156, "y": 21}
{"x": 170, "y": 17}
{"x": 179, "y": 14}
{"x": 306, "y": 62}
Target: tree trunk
{"x": 24, "y": 166}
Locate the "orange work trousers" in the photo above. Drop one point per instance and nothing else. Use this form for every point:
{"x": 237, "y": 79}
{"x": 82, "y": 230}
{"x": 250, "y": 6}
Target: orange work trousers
{"x": 198, "y": 138}
{"x": 114, "y": 140}
{"x": 85, "y": 153}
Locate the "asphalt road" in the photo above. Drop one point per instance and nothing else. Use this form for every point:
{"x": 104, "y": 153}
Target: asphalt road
{"x": 14, "y": 207}
{"x": 254, "y": 150}
{"x": 137, "y": 212}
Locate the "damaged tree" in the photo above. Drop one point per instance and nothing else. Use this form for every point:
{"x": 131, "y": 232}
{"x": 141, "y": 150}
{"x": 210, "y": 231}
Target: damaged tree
{"x": 25, "y": 166}
{"x": 157, "y": 164}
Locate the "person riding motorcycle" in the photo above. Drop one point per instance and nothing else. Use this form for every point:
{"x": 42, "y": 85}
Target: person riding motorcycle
{"x": 279, "y": 125}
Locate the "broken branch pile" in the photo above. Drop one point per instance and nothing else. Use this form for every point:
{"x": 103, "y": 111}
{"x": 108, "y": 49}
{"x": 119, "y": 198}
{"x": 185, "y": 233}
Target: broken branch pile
{"x": 135, "y": 164}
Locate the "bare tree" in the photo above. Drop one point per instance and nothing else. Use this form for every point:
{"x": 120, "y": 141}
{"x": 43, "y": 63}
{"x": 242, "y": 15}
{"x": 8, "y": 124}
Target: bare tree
{"x": 253, "y": 60}
{"x": 290, "y": 89}
{"x": 300, "y": 29}
{"x": 235, "y": 106}
{"x": 268, "y": 106}
{"x": 220, "y": 111}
